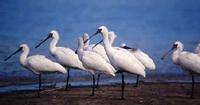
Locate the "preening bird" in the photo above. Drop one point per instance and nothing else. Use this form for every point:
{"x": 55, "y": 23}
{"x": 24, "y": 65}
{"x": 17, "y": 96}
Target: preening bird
{"x": 142, "y": 57}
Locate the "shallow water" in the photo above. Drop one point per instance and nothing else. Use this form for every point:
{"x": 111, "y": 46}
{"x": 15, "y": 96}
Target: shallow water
{"x": 152, "y": 26}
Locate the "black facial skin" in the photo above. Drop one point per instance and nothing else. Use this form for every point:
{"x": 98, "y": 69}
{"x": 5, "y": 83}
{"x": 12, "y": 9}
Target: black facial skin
{"x": 173, "y": 47}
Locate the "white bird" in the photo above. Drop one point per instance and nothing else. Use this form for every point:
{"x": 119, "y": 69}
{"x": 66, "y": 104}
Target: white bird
{"x": 37, "y": 64}
{"x": 65, "y": 56}
{"x": 99, "y": 49}
{"x": 120, "y": 59}
{"x": 142, "y": 57}
{"x": 186, "y": 60}
{"x": 197, "y": 49}
{"x": 94, "y": 62}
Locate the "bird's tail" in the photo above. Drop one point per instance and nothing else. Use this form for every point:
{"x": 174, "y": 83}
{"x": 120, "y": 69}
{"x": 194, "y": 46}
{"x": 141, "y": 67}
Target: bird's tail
{"x": 61, "y": 69}
{"x": 111, "y": 70}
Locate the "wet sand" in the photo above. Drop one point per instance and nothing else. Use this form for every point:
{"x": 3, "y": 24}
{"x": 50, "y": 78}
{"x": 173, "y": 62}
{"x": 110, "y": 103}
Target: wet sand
{"x": 145, "y": 94}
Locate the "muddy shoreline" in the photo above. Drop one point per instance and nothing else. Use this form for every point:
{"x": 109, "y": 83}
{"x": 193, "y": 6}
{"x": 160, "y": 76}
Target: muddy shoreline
{"x": 145, "y": 94}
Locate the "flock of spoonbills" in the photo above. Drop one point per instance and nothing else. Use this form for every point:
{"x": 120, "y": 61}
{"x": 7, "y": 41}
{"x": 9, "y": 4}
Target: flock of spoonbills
{"x": 106, "y": 59}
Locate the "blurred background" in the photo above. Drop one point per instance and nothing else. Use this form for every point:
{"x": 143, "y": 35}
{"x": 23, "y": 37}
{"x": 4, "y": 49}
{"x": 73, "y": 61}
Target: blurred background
{"x": 151, "y": 25}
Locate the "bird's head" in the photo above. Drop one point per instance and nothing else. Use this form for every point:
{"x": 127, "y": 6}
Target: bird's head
{"x": 53, "y": 34}
{"x": 22, "y": 48}
{"x": 101, "y": 29}
{"x": 85, "y": 36}
{"x": 177, "y": 45}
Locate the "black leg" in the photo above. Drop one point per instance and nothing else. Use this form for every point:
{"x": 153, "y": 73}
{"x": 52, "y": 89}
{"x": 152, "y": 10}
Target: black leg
{"x": 123, "y": 85}
{"x": 98, "y": 78}
{"x": 39, "y": 85}
{"x": 93, "y": 87}
{"x": 193, "y": 82}
{"x": 68, "y": 76}
{"x": 137, "y": 82}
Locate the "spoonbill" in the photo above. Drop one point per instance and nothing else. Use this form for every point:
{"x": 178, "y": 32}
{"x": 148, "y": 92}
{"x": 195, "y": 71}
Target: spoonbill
{"x": 112, "y": 36}
{"x": 142, "y": 57}
{"x": 37, "y": 64}
{"x": 99, "y": 49}
{"x": 94, "y": 62}
{"x": 186, "y": 60}
{"x": 197, "y": 49}
{"x": 122, "y": 60}
{"x": 65, "y": 56}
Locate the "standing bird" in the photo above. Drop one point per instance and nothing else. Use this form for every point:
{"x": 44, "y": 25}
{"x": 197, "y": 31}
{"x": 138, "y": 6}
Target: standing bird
{"x": 186, "y": 60}
{"x": 197, "y": 49}
{"x": 93, "y": 62}
{"x": 142, "y": 57}
{"x": 122, "y": 60}
{"x": 65, "y": 56}
{"x": 37, "y": 64}
{"x": 99, "y": 49}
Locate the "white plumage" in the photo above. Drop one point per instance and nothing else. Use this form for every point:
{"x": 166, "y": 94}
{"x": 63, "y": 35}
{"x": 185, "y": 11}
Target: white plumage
{"x": 65, "y": 56}
{"x": 121, "y": 59}
{"x": 197, "y": 49}
{"x": 38, "y": 63}
{"x": 189, "y": 61}
{"x": 142, "y": 57}
{"x": 186, "y": 60}
{"x": 99, "y": 49}
{"x": 94, "y": 61}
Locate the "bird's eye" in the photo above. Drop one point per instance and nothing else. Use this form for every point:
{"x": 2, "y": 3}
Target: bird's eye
{"x": 21, "y": 48}
{"x": 99, "y": 30}
{"x": 50, "y": 34}
{"x": 175, "y": 45}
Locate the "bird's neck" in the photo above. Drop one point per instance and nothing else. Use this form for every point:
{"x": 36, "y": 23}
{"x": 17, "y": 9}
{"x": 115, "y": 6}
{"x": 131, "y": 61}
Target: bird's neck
{"x": 23, "y": 56}
{"x": 107, "y": 44}
{"x": 86, "y": 44}
{"x": 80, "y": 49}
{"x": 53, "y": 44}
{"x": 111, "y": 40}
{"x": 197, "y": 50}
{"x": 175, "y": 55}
